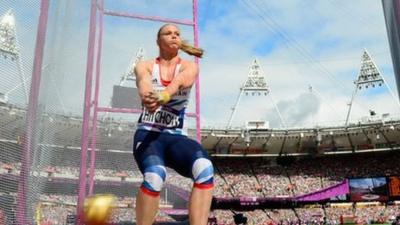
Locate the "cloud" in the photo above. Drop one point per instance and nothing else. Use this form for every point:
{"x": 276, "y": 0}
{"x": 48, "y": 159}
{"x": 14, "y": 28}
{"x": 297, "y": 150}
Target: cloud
{"x": 320, "y": 45}
{"x": 297, "y": 111}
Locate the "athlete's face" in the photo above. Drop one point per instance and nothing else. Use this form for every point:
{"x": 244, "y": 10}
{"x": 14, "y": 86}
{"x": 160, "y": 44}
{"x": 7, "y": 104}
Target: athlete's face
{"x": 169, "y": 37}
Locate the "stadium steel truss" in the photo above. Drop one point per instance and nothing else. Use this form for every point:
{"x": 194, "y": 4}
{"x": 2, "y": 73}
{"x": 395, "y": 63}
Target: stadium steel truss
{"x": 376, "y": 134}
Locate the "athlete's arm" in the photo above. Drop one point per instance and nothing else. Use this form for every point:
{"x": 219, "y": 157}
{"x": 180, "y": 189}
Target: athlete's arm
{"x": 144, "y": 85}
{"x": 184, "y": 79}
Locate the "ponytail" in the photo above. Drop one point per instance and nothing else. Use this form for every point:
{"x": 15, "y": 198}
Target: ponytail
{"x": 191, "y": 50}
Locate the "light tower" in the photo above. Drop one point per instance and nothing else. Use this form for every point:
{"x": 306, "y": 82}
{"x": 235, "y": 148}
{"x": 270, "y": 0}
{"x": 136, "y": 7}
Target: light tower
{"x": 9, "y": 49}
{"x": 125, "y": 95}
{"x": 256, "y": 86}
{"x": 8, "y": 44}
{"x": 130, "y": 72}
{"x": 369, "y": 77}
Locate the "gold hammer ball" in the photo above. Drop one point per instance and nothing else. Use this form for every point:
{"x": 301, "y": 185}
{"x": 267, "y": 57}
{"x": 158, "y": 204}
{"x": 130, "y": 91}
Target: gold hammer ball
{"x": 98, "y": 209}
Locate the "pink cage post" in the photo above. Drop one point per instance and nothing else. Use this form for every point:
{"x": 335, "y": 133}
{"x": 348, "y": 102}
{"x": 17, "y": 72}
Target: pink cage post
{"x": 31, "y": 116}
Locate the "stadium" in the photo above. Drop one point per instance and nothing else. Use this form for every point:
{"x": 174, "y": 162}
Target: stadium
{"x": 55, "y": 154}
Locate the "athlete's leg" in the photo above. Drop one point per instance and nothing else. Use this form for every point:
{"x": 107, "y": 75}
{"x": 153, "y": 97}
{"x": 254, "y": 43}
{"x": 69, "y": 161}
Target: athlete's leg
{"x": 148, "y": 155}
{"x": 189, "y": 159}
{"x": 199, "y": 205}
{"x": 146, "y": 208}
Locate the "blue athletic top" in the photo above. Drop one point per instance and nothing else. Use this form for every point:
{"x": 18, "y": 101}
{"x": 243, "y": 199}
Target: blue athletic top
{"x": 168, "y": 118}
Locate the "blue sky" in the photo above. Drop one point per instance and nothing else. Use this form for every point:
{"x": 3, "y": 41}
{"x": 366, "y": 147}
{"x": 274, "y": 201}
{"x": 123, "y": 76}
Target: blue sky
{"x": 297, "y": 42}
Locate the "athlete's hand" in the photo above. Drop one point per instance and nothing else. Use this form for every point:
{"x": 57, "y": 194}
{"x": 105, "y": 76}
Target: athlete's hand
{"x": 162, "y": 97}
{"x": 150, "y": 102}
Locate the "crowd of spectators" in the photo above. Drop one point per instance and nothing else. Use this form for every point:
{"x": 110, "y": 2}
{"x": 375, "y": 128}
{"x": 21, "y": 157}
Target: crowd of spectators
{"x": 238, "y": 177}
{"x": 306, "y": 175}
{"x": 3, "y": 218}
{"x": 244, "y": 178}
{"x": 315, "y": 215}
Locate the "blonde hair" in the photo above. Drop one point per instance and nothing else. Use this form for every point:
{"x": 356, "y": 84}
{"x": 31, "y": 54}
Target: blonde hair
{"x": 191, "y": 50}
